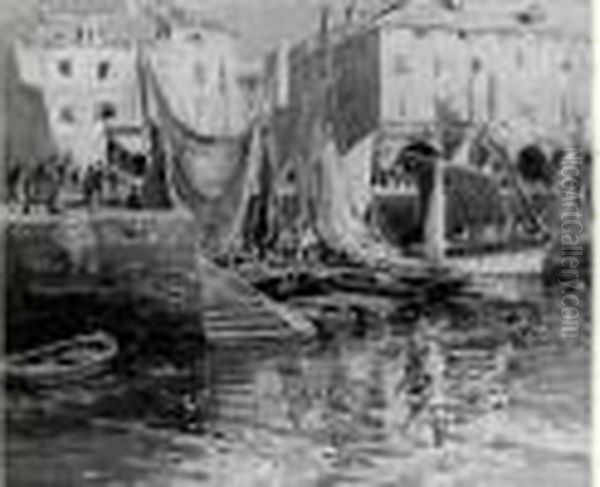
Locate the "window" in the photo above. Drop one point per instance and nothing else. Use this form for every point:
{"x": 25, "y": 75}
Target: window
{"x": 222, "y": 79}
{"x": 437, "y": 66}
{"x": 566, "y": 65}
{"x": 163, "y": 31}
{"x": 106, "y": 111}
{"x": 453, "y": 4}
{"x": 58, "y": 36}
{"x": 103, "y": 70}
{"x": 401, "y": 66}
{"x": 66, "y": 115}
{"x": 420, "y": 31}
{"x": 200, "y": 73}
{"x": 520, "y": 58}
{"x": 196, "y": 37}
{"x": 65, "y": 68}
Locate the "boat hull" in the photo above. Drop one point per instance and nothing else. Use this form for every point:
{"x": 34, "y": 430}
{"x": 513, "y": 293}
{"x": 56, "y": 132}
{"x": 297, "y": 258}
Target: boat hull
{"x": 63, "y": 363}
{"x": 528, "y": 262}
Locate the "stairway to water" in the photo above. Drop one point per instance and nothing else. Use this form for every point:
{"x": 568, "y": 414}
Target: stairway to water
{"x": 232, "y": 386}
{"x": 247, "y": 320}
{"x": 236, "y": 312}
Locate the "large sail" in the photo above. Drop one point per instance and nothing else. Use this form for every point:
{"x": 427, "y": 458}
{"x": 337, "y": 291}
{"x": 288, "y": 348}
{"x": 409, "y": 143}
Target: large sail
{"x": 206, "y": 174}
{"x": 345, "y": 199}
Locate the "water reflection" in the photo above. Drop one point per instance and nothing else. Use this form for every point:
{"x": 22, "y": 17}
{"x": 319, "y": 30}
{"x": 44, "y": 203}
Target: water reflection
{"x": 336, "y": 395}
{"x": 334, "y": 403}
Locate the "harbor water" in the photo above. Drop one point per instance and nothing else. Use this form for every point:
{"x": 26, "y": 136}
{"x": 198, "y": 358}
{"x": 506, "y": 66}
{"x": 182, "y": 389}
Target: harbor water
{"x": 324, "y": 413}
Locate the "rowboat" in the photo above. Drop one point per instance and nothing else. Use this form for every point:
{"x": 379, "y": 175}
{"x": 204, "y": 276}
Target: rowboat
{"x": 63, "y": 362}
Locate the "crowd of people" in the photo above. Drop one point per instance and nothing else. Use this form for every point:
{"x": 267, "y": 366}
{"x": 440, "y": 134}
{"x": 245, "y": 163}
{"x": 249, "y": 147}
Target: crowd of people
{"x": 56, "y": 183}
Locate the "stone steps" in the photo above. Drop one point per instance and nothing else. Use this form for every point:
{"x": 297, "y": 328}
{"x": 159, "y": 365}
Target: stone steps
{"x": 246, "y": 320}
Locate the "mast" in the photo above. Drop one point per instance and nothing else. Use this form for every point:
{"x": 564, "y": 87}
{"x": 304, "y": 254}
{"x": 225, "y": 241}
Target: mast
{"x": 7, "y": 110}
{"x": 143, "y": 86}
{"x": 435, "y": 225}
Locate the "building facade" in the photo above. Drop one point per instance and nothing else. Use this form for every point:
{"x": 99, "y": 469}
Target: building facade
{"x": 85, "y": 57}
{"x": 514, "y": 68}
{"x": 404, "y": 71}
{"x": 83, "y": 60}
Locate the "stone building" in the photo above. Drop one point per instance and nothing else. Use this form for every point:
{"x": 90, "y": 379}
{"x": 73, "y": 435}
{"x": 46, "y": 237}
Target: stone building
{"x": 82, "y": 57}
{"x": 407, "y": 70}
{"x": 85, "y": 58}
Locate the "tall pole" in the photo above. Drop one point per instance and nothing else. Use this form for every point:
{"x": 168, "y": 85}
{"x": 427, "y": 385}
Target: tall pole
{"x": 435, "y": 226}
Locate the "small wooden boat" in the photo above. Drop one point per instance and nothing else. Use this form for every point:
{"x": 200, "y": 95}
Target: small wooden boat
{"x": 63, "y": 362}
{"x": 525, "y": 262}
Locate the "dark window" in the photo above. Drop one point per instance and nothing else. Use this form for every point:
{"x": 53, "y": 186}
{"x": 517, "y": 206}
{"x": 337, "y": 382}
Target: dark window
{"x": 106, "y": 111}
{"x": 196, "y": 37}
{"x": 453, "y": 4}
{"x": 138, "y": 165}
{"x": 291, "y": 177}
{"x": 66, "y": 115}
{"x": 566, "y": 65}
{"x": 222, "y": 79}
{"x": 103, "y": 69}
{"x": 163, "y": 31}
{"x": 533, "y": 165}
{"x": 64, "y": 67}
{"x": 420, "y": 31}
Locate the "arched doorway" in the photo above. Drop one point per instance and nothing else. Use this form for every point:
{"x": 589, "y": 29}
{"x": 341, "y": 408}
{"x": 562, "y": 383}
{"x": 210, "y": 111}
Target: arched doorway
{"x": 400, "y": 215}
{"x": 533, "y": 165}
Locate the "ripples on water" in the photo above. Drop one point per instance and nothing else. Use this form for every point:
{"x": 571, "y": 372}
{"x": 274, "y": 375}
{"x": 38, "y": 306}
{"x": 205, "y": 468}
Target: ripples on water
{"x": 338, "y": 395}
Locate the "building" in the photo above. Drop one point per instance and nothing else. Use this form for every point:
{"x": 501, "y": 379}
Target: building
{"x": 85, "y": 57}
{"x": 410, "y": 68}
{"x": 82, "y": 57}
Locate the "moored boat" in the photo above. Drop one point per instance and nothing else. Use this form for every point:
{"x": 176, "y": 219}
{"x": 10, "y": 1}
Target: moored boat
{"x": 64, "y": 362}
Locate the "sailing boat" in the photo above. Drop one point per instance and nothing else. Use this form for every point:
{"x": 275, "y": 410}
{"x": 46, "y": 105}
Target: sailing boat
{"x": 507, "y": 262}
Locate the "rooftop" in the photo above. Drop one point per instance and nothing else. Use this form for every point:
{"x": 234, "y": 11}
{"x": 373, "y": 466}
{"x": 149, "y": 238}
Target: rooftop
{"x": 84, "y": 7}
{"x": 507, "y": 15}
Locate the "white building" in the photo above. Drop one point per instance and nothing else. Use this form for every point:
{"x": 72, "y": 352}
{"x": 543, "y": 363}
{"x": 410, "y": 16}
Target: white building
{"x": 82, "y": 57}
{"x": 85, "y": 57}
{"x": 512, "y": 65}
{"x": 520, "y": 68}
